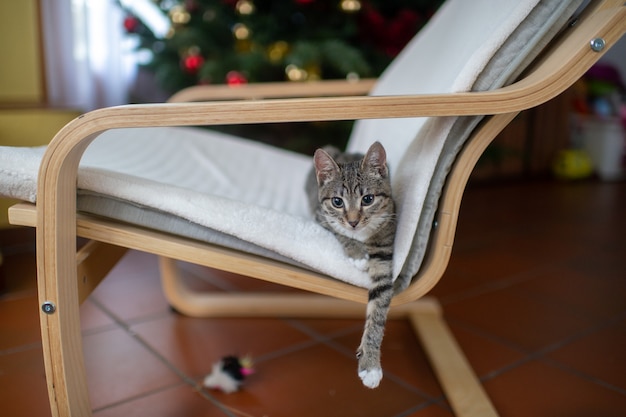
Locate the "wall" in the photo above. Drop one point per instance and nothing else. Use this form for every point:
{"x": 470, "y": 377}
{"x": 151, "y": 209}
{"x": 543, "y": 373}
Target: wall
{"x": 21, "y": 75}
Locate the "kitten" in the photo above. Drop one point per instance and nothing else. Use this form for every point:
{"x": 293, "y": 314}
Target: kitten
{"x": 350, "y": 195}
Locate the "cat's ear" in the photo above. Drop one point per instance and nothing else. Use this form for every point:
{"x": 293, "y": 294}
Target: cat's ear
{"x": 325, "y": 166}
{"x": 376, "y": 159}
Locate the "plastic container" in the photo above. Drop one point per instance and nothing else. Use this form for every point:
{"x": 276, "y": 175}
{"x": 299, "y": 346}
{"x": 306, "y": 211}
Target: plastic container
{"x": 605, "y": 141}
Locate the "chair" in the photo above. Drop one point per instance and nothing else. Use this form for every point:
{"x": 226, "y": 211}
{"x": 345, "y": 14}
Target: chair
{"x": 66, "y": 277}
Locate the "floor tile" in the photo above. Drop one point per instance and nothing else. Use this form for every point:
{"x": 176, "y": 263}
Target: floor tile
{"x": 92, "y": 318}
{"x": 599, "y": 354}
{"x": 519, "y": 320}
{"x": 540, "y": 390}
{"x": 19, "y": 322}
{"x": 485, "y": 354}
{"x": 132, "y": 290}
{"x": 324, "y": 328}
{"x": 314, "y": 382}
{"x": 596, "y": 296}
{"x": 402, "y": 357}
{"x": 118, "y": 367}
{"x": 23, "y": 391}
{"x": 431, "y": 411}
{"x": 20, "y": 274}
{"x": 193, "y": 344}
{"x": 227, "y": 281}
{"x": 181, "y": 401}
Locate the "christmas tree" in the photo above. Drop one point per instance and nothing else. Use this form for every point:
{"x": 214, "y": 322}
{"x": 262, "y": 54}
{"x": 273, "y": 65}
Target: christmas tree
{"x": 240, "y": 41}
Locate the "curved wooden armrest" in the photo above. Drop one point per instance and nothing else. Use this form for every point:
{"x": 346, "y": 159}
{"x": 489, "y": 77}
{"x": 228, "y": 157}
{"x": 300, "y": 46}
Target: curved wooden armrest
{"x": 260, "y": 91}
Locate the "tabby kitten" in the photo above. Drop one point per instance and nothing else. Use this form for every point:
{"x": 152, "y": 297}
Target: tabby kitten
{"x": 350, "y": 195}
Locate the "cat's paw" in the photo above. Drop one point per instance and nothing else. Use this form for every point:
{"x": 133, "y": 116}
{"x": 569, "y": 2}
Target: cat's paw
{"x": 360, "y": 263}
{"x": 370, "y": 371}
{"x": 371, "y": 378}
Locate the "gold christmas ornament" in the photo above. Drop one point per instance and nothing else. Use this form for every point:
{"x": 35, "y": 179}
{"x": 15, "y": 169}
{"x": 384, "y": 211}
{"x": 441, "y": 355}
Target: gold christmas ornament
{"x": 241, "y": 31}
{"x": 350, "y": 6}
{"x": 179, "y": 15}
{"x": 313, "y": 72}
{"x": 295, "y": 73}
{"x": 244, "y": 7}
{"x": 277, "y": 51}
{"x": 243, "y": 45}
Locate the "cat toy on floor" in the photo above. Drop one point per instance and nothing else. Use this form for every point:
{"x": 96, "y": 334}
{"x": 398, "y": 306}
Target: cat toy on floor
{"x": 228, "y": 374}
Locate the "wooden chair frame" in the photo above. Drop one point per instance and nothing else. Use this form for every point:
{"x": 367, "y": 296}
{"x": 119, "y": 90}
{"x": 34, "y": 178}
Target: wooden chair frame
{"x": 66, "y": 277}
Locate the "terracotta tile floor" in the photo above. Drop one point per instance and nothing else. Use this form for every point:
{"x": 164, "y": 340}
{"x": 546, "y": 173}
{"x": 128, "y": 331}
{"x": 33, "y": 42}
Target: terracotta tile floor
{"x": 535, "y": 294}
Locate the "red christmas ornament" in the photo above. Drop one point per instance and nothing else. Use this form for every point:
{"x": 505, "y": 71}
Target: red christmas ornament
{"x": 192, "y": 63}
{"x": 388, "y": 35}
{"x": 131, "y": 23}
{"x": 234, "y": 78}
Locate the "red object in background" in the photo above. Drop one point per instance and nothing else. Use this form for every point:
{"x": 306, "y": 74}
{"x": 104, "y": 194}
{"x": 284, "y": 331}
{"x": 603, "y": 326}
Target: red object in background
{"x": 389, "y": 35}
{"x": 131, "y": 23}
{"x": 192, "y": 63}
{"x": 234, "y": 78}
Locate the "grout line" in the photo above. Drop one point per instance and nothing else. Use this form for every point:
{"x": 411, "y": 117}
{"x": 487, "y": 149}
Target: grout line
{"x": 137, "y": 397}
{"x": 329, "y": 340}
{"x": 21, "y": 348}
{"x": 421, "y": 407}
{"x": 487, "y": 335}
{"x": 583, "y": 333}
{"x": 583, "y": 375}
{"x": 182, "y": 375}
{"x": 496, "y": 285}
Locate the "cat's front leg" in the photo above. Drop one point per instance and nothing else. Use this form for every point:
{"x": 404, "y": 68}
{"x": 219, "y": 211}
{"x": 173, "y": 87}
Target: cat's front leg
{"x": 357, "y": 253}
{"x": 368, "y": 353}
{"x": 379, "y": 300}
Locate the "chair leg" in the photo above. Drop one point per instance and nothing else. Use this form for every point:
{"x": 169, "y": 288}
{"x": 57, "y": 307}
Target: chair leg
{"x": 459, "y": 382}
{"x": 62, "y": 341}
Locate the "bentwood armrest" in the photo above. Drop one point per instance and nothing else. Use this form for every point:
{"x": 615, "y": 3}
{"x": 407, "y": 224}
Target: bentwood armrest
{"x": 257, "y": 91}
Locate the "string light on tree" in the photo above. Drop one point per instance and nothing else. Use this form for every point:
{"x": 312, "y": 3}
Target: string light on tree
{"x": 350, "y": 6}
{"x": 241, "y": 31}
{"x": 295, "y": 73}
{"x": 277, "y": 51}
{"x": 244, "y": 7}
{"x": 179, "y": 15}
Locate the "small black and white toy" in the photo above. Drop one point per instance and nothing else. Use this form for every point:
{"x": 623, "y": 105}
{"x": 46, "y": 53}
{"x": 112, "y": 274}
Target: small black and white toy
{"x": 228, "y": 374}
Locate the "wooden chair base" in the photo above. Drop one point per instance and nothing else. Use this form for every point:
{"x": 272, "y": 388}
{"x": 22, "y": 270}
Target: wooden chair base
{"x": 459, "y": 382}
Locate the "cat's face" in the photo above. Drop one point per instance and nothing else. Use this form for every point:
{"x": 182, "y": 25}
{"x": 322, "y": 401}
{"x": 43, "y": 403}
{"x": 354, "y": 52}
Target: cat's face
{"x": 355, "y": 195}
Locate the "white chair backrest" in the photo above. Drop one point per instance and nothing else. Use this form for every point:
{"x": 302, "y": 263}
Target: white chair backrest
{"x": 467, "y": 45}
{"x": 445, "y": 56}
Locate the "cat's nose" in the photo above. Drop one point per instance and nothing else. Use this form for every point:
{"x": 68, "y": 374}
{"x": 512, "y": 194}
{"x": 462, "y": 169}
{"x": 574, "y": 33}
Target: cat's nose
{"x": 353, "y": 223}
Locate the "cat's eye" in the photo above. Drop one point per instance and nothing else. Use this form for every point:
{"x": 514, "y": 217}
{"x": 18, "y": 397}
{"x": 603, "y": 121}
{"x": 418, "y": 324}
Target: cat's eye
{"x": 367, "y": 199}
{"x": 336, "y": 202}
